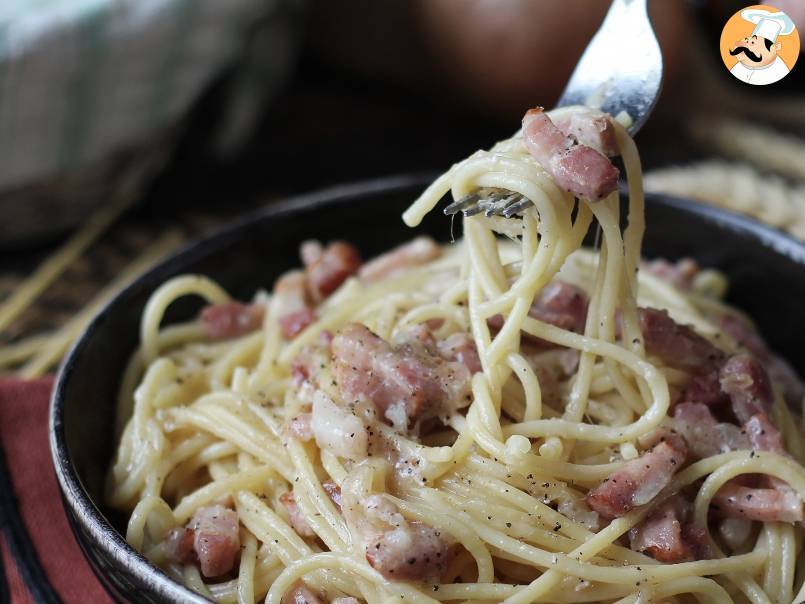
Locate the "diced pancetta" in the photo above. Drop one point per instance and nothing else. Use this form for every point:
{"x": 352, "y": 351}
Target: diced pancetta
{"x": 338, "y": 429}
{"x": 589, "y": 127}
{"x": 561, "y": 304}
{"x": 398, "y": 549}
{"x": 231, "y": 319}
{"x": 695, "y": 537}
{"x": 292, "y": 303}
{"x": 460, "y": 347}
{"x": 746, "y": 382}
{"x": 179, "y": 545}
{"x": 662, "y": 533}
{"x": 703, "y": 387}
{"x": 575, "y": 167}
{"x": 415, "y": 552}
{"x": 704, "y": 435}
{"x": 327, "y": 268}
{"x": 407, "y": 256}
{"x": 405, "y": 383}
{"x": 677, "y": 345}
{"x": 215, "y": 539}
{"x": 680, "y": 274}
{"x": 779, "y": 370}
{"x": 310, "y": 252}
{"x": 639, "y": 480}
{"x": 765, "y": 505}
{"x": 293, "y": 323}
{"x": 762, "y": 434}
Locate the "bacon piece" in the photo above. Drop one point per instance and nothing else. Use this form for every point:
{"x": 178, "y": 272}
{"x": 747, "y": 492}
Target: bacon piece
{"x": 779, "y": 370}
{"x": 765, "y": 505}
{"x": 300, "y": 594}
{"x": 231, "y": 319}
{"x": 589, "y": 127}
{"x": 398, "y": 549}
{"x": 561, "y": 304}
{"x": 695, "y": 537}
{"x": 311, "y": 252}
{"x": 292, "y": 303}
{"x": 703, "y": 387}
{"x": 295, "y": 515}
{"x": 460, "y": 347}
{"x": 661, "y": 534}
{"x": 216, "y": 539}
{"x": 576, "y": 168}
{"x": 406, "y": 383}
{"x": 293, "y": 323}
{"x": 420, "y": 333}
{"x": 414, "y": 253}
{"x": 747, "y": 384}
{"x": 704, "y": 435}
{"x": 638, "y": 481}
{"x": 677, "y": 345}
{"x": 338, "y": 430}
{"x": 328, "y": 268}
{"x": 179, "y": 545}
{"x": 413, "y": 553}
{"x": 763, "y": 435}
{"x": 347, "y": 600}
{"x": 680, "y": 274}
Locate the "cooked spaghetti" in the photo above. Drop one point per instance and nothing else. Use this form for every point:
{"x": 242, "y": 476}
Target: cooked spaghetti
{"x": 510, "y": 418}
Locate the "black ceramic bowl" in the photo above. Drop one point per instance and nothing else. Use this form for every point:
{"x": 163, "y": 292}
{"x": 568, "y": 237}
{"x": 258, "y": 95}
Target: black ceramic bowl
{"x": 766, "y": 269}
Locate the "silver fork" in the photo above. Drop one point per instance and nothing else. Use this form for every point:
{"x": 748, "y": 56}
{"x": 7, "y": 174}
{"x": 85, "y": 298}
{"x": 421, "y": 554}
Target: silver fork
{"x": 621, "y": 70}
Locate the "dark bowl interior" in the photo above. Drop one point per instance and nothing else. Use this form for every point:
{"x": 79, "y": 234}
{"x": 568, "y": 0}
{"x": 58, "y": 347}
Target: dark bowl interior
{"x": 766, "y": 270}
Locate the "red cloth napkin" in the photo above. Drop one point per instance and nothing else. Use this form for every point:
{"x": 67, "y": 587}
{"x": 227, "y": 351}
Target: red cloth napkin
{"x": 41, "y": 561}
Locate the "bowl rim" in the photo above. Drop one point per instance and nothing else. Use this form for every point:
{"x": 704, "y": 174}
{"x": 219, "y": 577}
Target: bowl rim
{"x": 80, "y": 506}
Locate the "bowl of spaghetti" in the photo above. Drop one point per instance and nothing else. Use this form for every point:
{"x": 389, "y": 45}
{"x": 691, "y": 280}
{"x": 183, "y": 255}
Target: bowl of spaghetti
{"x": 325, "y": 403}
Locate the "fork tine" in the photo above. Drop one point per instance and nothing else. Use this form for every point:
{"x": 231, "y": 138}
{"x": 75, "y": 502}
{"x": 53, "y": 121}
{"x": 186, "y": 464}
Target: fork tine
{"x": 513, "y": 199}
{"x": 461, "y": 204}
{"x": 491, "y": 202}
{"x": 499, "y": 202}
{"x": 473, "y": 210}
{"x": 488, "y": 205}
{"x": 518, "y": 207}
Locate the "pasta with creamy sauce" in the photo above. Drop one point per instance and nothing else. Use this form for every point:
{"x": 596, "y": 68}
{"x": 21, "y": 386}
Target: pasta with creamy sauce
{"x": 510, "y": 418}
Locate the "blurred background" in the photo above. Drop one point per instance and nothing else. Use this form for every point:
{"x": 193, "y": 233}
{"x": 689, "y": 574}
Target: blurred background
{"x": 129, "y": 126}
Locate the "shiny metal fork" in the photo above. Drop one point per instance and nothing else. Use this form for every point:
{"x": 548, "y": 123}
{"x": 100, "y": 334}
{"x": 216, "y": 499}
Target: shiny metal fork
{"x": 620, "y": 71}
